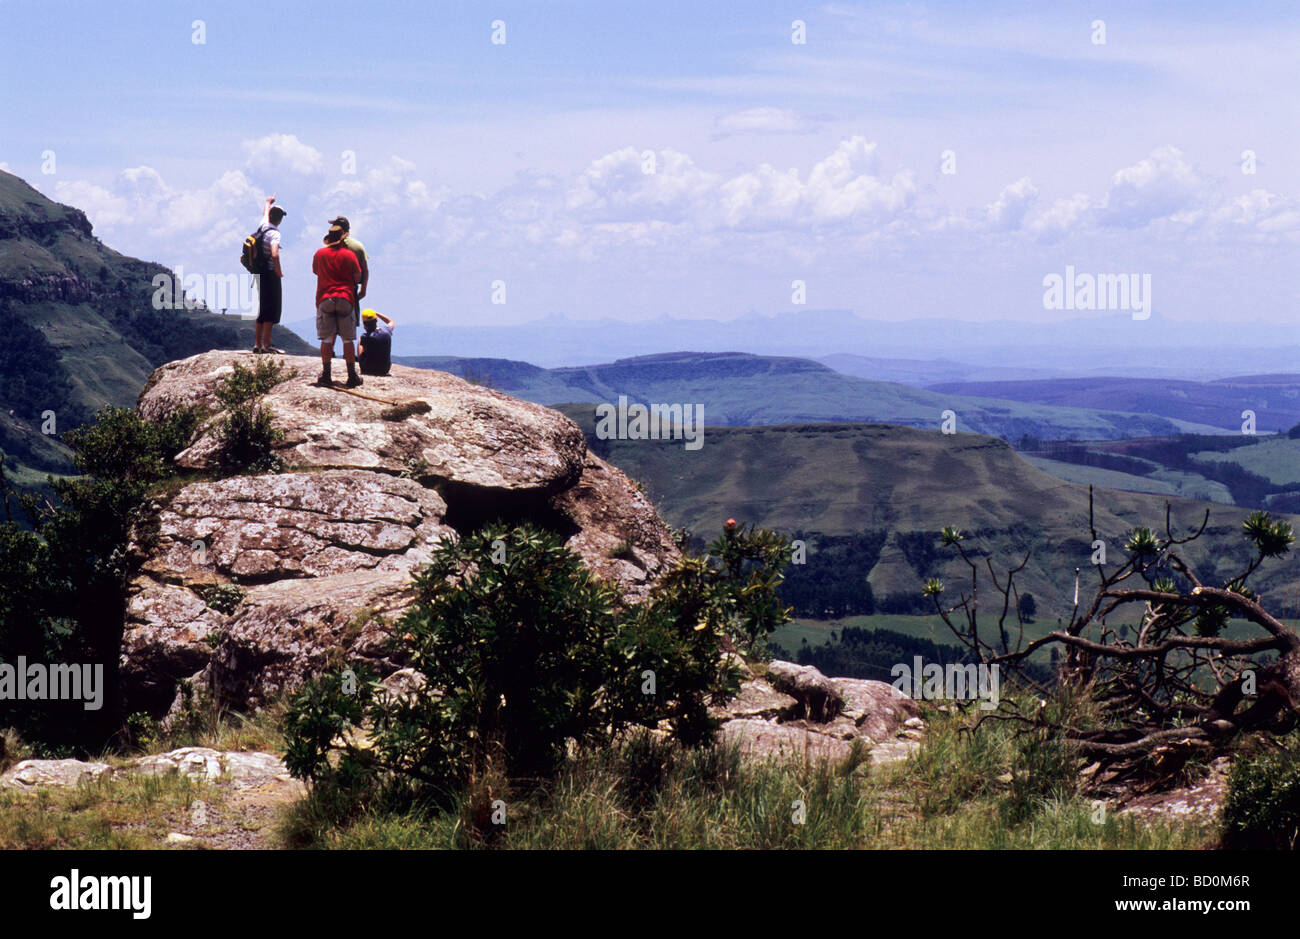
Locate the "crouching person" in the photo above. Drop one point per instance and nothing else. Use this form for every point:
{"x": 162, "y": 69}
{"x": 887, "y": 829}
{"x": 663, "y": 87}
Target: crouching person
{"x": 375, "y": 347}
{"x": 337, "y": 271}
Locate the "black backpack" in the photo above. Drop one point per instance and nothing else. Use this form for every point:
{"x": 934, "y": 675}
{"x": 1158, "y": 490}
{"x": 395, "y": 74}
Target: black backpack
{"x": 252, "y": 257}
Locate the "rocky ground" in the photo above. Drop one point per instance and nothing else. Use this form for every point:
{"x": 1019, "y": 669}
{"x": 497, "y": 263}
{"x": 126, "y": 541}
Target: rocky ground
{"x": 252, "y": 787}
{"x": 1202, "y": 799}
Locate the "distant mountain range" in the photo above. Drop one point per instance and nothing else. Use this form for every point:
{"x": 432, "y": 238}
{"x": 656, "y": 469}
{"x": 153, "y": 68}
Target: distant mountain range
{"x": 743, "y": 389}
{"x": 925, "y": 373}
{"x": 1274, "y": 400}
{"x": 81, "y": 330}
{"x": 1100, "y": 345}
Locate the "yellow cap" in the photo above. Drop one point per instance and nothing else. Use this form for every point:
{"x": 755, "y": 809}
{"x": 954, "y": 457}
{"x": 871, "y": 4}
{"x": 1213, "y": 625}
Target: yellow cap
{"x": 369, "y": 314}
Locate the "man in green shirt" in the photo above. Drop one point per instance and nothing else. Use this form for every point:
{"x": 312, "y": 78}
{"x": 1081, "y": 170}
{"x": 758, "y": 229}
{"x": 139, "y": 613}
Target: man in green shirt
{"x": 359, "y": 250}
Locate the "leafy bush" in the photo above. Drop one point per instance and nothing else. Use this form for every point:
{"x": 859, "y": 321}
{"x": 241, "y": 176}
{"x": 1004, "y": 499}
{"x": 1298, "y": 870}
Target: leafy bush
{"x": 246, "y": 431}
{"x": 1262, "y": 809}
{"x": 247, "y": 384}
{"x": 63, "y": 584}
{"x": 528, "y": 653}
{"x": 223, "y": 598}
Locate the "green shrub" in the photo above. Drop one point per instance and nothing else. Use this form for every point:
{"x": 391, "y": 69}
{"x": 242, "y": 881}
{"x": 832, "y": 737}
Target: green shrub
{"x": 248, "y": 384}
{"x": 246, "y": 430}
{"x": 221, "y": 597}
{"x": 1262, "y": 809}
{"x": 527, "y": 654}
{"x": 63, "y": 583}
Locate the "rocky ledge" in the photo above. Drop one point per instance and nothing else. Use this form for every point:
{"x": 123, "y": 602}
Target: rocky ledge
{"x": 248, "y": 585}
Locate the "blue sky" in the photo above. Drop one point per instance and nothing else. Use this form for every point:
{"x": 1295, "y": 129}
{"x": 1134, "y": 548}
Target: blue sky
{"x": 772, "y": 161}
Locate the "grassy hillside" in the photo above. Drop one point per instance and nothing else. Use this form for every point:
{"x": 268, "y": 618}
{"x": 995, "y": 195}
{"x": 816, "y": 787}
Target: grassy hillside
{"x": 81, "y": 330}
{"x": 1248, "y": 470}
{"x": 1276, "y": 459}
{"x": 1160, "y": 481}
{"x": 1275, "y": 399}
{"x": 738, "y": 389}
{"x": 849, "y": 478}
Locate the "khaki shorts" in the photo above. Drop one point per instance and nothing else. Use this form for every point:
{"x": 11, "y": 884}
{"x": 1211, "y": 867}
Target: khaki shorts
{"x": 334, "y": 318}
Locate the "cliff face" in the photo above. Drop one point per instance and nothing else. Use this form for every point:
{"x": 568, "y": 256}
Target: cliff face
{"x": 250, "y": 584}
{"x": 81, "y": 329}
{"x": 48, "y": 252}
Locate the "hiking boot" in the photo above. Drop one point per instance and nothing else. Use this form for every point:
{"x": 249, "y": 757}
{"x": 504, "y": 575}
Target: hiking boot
{"x": 272, "y": 350}
{"x": 354, "y": 380}
{"x": 325, "y": 381}
{"x": 257, "y": 350}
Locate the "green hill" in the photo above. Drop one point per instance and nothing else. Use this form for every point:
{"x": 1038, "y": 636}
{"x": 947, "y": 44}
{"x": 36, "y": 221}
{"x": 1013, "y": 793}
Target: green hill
{"x": 896, "y": 487}
{"x": 738, "y": 389}
{"x": 80, "y": 327}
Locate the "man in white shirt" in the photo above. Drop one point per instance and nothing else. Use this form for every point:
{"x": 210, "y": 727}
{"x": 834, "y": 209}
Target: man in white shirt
{"x": 270, "y": 297}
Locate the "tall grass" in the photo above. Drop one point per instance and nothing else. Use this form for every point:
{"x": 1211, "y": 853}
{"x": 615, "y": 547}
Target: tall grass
{"x": 984, "y": 788}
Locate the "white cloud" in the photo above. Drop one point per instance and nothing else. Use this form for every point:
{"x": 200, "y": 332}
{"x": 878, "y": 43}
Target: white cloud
{"x": 1013, "y": 203}
{"x": 845, "y": 186}
{"x": 1162, "y": 185}
{"x": 276, "y": 154}
{"x": 764, "y": 196}
{"x": 1260, "y": 210}
{"x": 763, "y": 121}
{"x": 628, "y": 185}
{"x": 105, "y": 210}
{"x": 140, "y": 208}
{"x": 1062, "y": 217}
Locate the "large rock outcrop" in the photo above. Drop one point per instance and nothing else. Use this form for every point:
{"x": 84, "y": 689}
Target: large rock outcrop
{"x": 250, "y": 584}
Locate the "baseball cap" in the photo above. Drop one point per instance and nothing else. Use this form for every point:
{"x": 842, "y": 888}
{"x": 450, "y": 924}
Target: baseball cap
{"x": 341, "y": 222}
{"x": 368, "y": 314}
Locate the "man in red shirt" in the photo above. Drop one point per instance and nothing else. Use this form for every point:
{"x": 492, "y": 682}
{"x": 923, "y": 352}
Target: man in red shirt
{"x": 337, "y": 273}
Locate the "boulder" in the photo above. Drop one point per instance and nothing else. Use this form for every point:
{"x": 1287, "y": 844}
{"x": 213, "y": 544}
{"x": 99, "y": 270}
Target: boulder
{"x": 251, "y": 770}
{"x": 403, "y": 685}
{"x": 877, "y": 708}
{"x": 758, "y": 700}
{"x": 799, "y": 711}
{"x": 818, "y": 696}
{"x": 764, "y": 739}
{"x": 32, "y": 774}
{"x": 255, "y": 580}
{"x": 248, "y": 585}
{"x": 297, "y": 524}
{"x": 619, "y": 534}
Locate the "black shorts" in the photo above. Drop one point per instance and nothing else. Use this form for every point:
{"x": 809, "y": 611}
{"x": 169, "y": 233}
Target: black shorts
{"x": 270, "y": 298}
